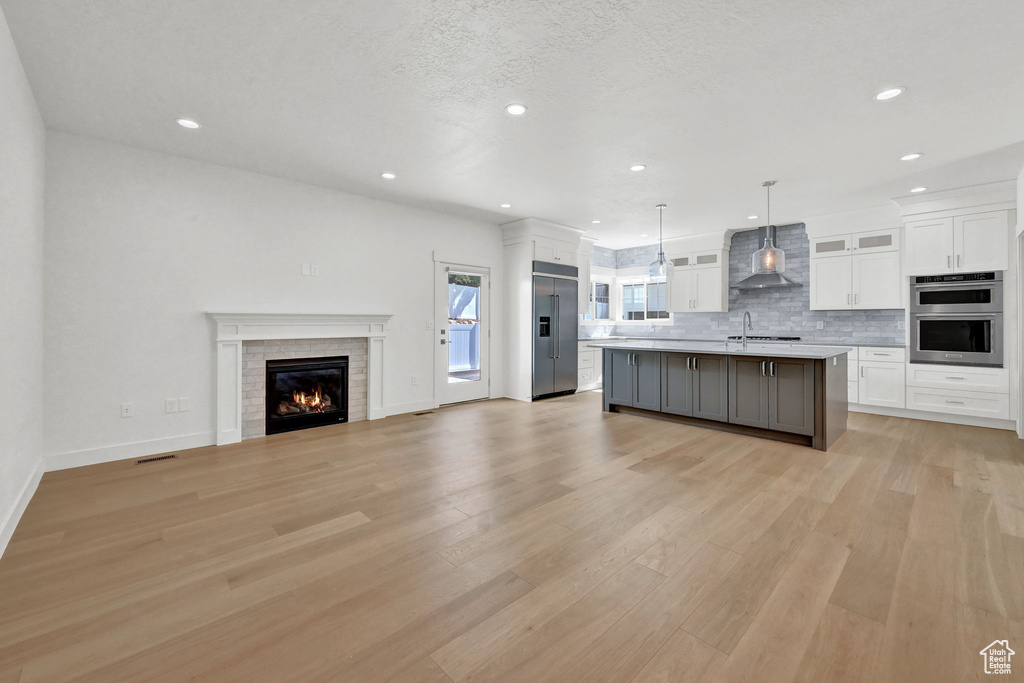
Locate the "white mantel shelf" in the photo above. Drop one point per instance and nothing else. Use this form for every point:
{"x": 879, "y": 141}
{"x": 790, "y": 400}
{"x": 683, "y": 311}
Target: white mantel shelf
{"x": 234, "y": 328}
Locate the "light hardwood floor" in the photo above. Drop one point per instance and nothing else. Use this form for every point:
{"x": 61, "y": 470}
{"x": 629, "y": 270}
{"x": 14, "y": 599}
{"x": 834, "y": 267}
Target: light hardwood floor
{"x": 504, "y": 541}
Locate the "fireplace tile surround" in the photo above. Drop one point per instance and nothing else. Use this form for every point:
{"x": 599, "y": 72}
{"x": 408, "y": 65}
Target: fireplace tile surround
{"x": 256, "y": 353}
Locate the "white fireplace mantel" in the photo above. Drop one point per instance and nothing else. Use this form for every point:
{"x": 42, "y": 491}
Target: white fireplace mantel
{"x": 234, "y": 328}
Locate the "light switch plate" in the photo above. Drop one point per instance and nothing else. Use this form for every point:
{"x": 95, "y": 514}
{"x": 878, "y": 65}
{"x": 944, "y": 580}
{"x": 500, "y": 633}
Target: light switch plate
{"x": 314, "y": 270}
{"x": 305, "y": 269}
{"x": 171, "y": 405}
{"x": 127, "y": 410}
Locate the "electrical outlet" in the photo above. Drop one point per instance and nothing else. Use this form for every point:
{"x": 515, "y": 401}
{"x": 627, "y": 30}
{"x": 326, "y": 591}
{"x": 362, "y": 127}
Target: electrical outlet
{"x": 127, "y": 410}
{"x": 184, "y": 405}
{"x": 314, "y": 270}
{"x": 305, "y": 269}
{"x": 820, "y": 325}
{"x": 415, "y": 380}
{"x": 171, "y": 405}
{"x": 430, "y": 324}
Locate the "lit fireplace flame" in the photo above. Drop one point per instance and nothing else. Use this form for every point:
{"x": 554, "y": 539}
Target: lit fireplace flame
{"x": 313, "y": 403}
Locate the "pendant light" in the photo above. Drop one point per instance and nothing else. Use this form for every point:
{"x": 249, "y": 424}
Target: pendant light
{"x": 768, "y": 259}
{"x": 769, "y": 262}
{"x": 659, "y": 268}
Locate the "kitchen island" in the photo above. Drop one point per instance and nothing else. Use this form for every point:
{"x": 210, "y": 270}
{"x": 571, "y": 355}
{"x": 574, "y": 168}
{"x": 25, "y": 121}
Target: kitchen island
{"x": 796, "y": 394}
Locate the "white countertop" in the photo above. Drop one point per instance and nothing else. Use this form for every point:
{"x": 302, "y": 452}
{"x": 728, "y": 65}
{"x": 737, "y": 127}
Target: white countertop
{"x": 726, "y": 348}
{"x": 802, "y": 342}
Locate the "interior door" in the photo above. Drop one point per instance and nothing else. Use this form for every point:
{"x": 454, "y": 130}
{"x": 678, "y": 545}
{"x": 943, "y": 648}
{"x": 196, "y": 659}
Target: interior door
{"x": 462, "y": 333}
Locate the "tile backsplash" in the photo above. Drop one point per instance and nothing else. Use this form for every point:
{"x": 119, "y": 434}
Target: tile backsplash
{"x": 775, "y": 312}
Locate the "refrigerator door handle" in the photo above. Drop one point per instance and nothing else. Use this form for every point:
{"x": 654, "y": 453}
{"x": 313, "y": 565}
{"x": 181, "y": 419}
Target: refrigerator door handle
{"x": 558, "y": 328}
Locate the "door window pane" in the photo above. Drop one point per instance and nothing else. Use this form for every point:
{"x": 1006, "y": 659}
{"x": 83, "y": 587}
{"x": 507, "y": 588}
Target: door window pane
{"x": 463, "y": 328}
{"x": 632, "y": 302}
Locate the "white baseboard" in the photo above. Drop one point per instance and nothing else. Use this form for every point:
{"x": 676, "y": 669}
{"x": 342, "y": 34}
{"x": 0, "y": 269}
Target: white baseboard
{"x": 14, "y": 515}
{"x": 411, "y": 407}
{"x": 123, "y": 451}
{"x": 967, "y": 420}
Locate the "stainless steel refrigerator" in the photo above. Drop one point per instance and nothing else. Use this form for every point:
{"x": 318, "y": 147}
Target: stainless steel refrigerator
{"x": 555, "y": 321}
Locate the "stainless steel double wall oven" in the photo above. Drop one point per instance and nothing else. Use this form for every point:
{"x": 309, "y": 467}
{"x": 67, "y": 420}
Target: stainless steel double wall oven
{"x": 957, "y": 319}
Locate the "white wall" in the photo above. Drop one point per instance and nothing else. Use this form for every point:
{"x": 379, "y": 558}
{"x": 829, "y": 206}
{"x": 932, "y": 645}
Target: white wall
{"x": 140, "y": 244}
{"x": 22, "y": 155}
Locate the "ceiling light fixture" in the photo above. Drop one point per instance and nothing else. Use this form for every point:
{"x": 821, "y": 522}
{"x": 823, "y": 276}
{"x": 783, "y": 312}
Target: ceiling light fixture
{"x": 388, "y": 176}
{"x": 637, "y": 167}
{"x": 769, "y": 262}
{"x": 659, "y": 268}
{"x": 643, "y": 234}
{"x": 890, "y": 93}
{"x": 515, "y": 109}
{"x": 506, "y": 206}
{"x": 915, "y": 190}
{"x": 751, "y": 218}
{"x": 911, "y": 156}
{"x": 595, "y": 222}
{"x": 187, "y": 123}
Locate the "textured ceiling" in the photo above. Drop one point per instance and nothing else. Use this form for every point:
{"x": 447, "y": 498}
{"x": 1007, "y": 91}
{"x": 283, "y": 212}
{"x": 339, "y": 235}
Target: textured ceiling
{"x": 714, "y": 96}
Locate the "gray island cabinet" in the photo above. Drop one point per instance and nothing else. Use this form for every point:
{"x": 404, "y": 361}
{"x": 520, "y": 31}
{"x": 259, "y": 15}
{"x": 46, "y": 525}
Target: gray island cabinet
{"x": 788, "y": 393}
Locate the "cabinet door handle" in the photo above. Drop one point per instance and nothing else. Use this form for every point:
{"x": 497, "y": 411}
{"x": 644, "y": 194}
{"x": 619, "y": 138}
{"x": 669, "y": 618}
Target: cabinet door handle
{"x": 855, "y": 297}
{"x": 958, "y": 260}
{"x": 764, "y": 368}
{"x": 696, "y": 363}
{"x": 847, "y": 299}
{"x": 862, "y": 371}
{"x": 955, "y": 403}
{"x": 772, "y": 366}
{"x": 949, "y": 261}
{"x": 954, "y": 378}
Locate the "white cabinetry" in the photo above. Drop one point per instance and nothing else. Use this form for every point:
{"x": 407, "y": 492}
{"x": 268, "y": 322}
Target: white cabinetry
{"x": 699, "y": 283}
{"x": 958, "y": 244}
{"x": 858, "y": 271}
{"x": 586, "y": 250}
{"x": 881, "y": 377}
{"x": 555, "y": 251}
{"x": 589, "y": 367}
{"x": 961, "y": 390}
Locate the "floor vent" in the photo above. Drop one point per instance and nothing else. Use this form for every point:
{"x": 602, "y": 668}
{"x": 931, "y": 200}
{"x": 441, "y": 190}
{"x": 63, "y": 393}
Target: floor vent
{"x": 425, "y": 412}
{"x": 159, "y": 457}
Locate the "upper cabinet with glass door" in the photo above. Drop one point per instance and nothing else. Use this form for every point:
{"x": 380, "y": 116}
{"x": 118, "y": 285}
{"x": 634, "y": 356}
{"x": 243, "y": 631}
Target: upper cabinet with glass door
{"x": 699, "y": 282}
{"x": 856, "y": 271}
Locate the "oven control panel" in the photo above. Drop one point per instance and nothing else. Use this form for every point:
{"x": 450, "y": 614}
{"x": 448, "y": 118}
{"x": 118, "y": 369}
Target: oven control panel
{"x": 960, "y": 277}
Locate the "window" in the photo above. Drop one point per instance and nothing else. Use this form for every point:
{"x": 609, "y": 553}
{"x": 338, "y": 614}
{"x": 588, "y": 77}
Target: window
{"x": 633, "y": 302}
{"x": 645, "y": 301}
{"x": 600, "y": 302}
{"x": 657, "y": 301}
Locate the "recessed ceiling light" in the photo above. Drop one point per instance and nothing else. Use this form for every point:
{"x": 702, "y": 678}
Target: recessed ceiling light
{"x": 751, "y": 218}
{"x": 637, "y": 167}
{"x": 643, "y": 234}
{"x": 388, "y": 176}
{"x": 506, "y": 206}
{"x": 595, "y": 222}
{"x": 915, "y": 190}
{"x": 187, "y": 123}
{"x": 515, "y": 109}
{"x": 890, "y": 93}
{"x": 911, "y": 156}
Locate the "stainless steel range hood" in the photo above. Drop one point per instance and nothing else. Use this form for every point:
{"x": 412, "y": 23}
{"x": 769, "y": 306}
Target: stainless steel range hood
{"x": 768, "y": 278}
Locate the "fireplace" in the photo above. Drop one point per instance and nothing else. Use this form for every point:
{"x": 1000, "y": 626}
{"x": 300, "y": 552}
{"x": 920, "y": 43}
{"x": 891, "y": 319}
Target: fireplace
{"x": 306, "y": 392}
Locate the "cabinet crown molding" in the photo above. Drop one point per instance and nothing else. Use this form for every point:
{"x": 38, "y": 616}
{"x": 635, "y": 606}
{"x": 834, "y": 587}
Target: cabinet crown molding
{"x": 963, "y": 200}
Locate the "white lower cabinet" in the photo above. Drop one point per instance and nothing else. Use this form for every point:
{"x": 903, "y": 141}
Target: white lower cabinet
{"x": 959, "y": 378}
{"x": 882, "y": 383}
{"x": 588, "y": 374}
{"x": 975, "y": 403}
{"x": 852, "y": 392}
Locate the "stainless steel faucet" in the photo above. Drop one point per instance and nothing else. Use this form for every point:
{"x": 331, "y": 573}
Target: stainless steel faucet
{"x": 744, "y": 326}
